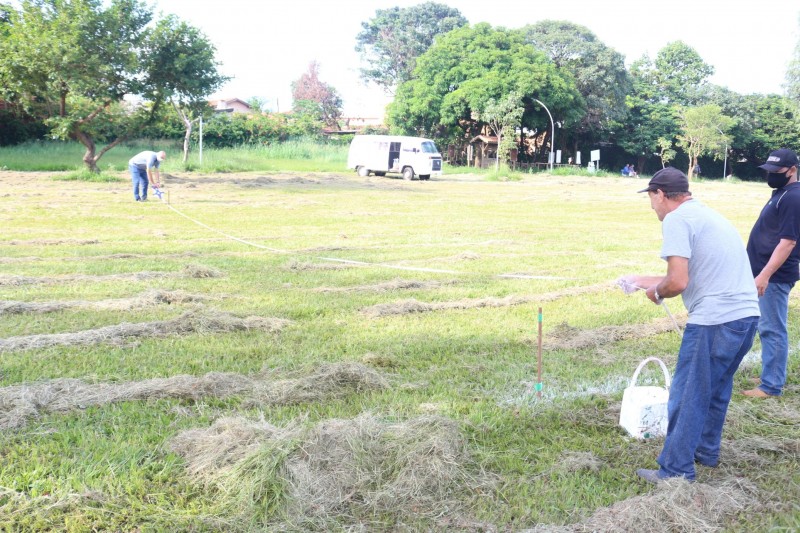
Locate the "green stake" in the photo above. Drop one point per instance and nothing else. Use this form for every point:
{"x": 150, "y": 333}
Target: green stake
{"x": 539, "y": 372}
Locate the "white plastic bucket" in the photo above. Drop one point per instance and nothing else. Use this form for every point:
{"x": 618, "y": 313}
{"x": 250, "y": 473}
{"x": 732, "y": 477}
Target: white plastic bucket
{"x": 644, "y": 409}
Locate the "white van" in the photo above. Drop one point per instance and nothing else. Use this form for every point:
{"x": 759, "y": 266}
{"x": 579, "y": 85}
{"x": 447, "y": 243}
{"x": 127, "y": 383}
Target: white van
{"x": 380, "y": 154}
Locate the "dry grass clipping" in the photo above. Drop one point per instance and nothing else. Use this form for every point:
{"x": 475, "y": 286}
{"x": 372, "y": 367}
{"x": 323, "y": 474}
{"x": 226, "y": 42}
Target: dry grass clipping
{"x": 202, "y": 271}
{"x": 19, "y": 403}
{"x": 337, "y": 471}
{"x": 147, "y": 299}
{"x": 299, "y": 266}
{"x": 565, "y": 337}
{"x": 329, "y": 382}
{"x": 191, "y": 322}
{"x": 675, "y": 505}
{"x": 415, "y": 306}
{"x": 55, "y": 242}
{"x": 226, "y": 442}
{"x": 26, "y": 280}
{"x": 397, "y": 284}
{"x": 573, "y": 461}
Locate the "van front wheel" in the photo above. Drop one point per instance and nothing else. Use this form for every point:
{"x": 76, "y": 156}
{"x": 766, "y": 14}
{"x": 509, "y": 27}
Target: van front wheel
{"x": 363, "y": 172}
{"x": 408, "y": 173}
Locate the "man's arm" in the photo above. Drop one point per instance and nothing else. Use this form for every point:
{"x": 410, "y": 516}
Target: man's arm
{"x": 778, "y": 257}
{"x": 673, "y": 283}
{"x": 150, "y": 173}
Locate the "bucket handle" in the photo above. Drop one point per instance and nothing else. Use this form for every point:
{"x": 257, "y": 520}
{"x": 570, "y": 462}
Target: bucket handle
{"x": 641, "y": 365}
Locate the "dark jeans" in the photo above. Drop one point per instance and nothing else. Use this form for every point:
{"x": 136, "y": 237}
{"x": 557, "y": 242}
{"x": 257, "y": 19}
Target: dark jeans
{"x": 700, "y": 393}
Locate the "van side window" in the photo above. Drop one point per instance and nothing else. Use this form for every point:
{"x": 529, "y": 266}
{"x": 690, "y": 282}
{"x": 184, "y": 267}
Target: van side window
{"x": 429, "y": 148}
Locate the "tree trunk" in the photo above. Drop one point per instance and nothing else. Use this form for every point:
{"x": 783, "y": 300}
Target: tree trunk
{"x": 640, "y": 161}
{"x": 89, "y": 158}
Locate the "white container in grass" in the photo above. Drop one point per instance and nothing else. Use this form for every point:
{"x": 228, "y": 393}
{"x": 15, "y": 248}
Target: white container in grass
{"x": 644, "y": 408}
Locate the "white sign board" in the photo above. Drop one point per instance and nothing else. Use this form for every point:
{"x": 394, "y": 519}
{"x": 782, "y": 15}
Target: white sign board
{"x": 595, "y": 155}
{"x": 558, "y": 157}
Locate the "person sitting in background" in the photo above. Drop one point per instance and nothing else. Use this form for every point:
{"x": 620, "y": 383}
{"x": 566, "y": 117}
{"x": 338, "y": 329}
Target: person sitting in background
{"x": 626, "y": 170}
{"x": 631, "y": 172}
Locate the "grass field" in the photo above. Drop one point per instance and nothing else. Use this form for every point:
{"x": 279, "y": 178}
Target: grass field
{"x": 317, "y": 351}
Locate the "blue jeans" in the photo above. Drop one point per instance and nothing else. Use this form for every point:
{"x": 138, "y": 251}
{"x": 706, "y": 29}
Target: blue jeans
{"x": 700, "y": 392}
{"x": 139, "y": 178}
{"x": 774, "y": 335}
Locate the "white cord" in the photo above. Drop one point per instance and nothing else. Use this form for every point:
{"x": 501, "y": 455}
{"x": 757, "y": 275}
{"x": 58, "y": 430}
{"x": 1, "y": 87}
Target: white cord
{"x": 629, "y": 288}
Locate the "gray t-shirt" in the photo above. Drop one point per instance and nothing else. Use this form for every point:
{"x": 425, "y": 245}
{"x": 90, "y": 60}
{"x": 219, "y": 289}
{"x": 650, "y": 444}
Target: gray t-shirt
{"x": 721, "y": 286}
{"x": 145, "y": 160}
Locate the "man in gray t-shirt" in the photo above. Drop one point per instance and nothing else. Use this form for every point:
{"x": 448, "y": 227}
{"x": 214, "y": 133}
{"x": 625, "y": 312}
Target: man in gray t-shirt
{"x": 144, "y": 169}
{"x": 708, "y": 266}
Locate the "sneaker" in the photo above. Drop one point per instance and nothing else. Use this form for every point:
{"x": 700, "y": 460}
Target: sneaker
{"x": 704, "y": 462}
{"x": 758, "y": 393}
{"x": 651, "y": 476}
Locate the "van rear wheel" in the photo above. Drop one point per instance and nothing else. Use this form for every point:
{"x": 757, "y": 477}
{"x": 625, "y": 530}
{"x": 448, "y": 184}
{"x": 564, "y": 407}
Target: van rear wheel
{"x": 408, "y": 173}
{"x": 363, "y": 172}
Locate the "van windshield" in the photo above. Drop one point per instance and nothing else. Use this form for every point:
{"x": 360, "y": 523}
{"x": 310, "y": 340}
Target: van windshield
{"x": 429, "y": 148}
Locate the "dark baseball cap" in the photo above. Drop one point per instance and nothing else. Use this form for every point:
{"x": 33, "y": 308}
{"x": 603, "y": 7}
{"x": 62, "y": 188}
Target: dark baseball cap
{"x": 779, "y": 159}
{"x": 668, "y": 179}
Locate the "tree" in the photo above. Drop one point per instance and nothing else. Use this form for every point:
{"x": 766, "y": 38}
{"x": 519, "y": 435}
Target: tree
{"x": 793, "y": 76}
{"x": 649, "y": 118}
{"x": 704, "y": 132}
{"x": 394, "y": 38}
{"x": 681, "y": 74}
{"x": 463, "y": 70}
{"x": 311, "y": 95}
{"x": 72, "y": 63}
{"x": 599, "y": 72}
{"x": 501, "y": 115}
{"x": 181, "y": 69}
{"x": 665, "y": 151}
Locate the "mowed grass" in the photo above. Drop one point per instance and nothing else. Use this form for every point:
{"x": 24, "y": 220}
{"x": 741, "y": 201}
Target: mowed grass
{"x": 318, "y": 250}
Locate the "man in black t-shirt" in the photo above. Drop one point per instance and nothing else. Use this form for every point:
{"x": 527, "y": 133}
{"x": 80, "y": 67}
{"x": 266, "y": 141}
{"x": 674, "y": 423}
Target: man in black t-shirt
{"x": 774, "y": 260}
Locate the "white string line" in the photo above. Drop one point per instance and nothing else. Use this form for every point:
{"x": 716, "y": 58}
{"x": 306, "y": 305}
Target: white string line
{"x": 663, "y": 304}
{"x": 226, "y": 235}
{"x": 349, "y": 261}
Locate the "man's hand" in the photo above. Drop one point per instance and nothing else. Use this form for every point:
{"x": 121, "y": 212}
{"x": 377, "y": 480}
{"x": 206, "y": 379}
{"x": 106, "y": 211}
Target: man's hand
{"x": 762, "y": 281}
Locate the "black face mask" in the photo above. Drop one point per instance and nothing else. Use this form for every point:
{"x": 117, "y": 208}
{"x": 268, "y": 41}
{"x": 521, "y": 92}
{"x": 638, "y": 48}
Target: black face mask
{"x": 776, "y": 180}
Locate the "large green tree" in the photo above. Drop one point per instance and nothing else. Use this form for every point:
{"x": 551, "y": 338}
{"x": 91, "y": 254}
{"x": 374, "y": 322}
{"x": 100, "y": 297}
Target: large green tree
{"x": 73, "y": 63}
{"x": 391, "y": 41}
{"x": 652, "y": 122}
{"x": 467, "y": 68}
{"x": 181, "y": 69}
{"x": 599, "y": 72}
{"x": 680, "y": 74}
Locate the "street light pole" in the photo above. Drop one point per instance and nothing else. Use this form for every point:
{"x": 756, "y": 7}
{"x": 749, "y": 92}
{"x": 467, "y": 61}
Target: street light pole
{"x": 552, "y": 134}
{"x": 725, "y": 162}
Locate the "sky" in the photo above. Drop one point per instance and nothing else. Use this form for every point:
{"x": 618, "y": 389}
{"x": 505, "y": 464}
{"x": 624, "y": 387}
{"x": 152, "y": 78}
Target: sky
{"x": 265, "y": 45}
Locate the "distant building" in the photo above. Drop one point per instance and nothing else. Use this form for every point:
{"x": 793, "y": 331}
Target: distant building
{"x": 359, "y": 123}
{"x": 230, "y": 105}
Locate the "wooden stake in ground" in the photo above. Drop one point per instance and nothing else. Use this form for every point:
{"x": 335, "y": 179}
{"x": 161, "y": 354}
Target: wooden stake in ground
{"x": 539, "y": 370}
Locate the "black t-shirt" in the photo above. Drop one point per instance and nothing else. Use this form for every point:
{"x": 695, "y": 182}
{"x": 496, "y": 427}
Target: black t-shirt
{"x": 780, "y": 219}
